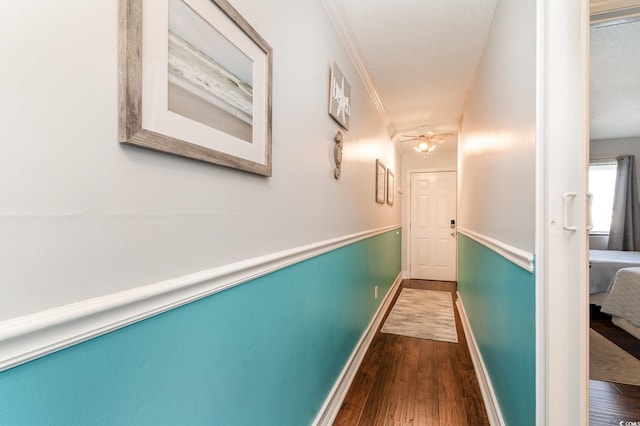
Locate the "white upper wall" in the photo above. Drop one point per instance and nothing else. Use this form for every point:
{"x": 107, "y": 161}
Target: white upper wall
{"x": 612, "y": 148}
{"x": 83, "y": 216}
{"x": 496, "y": 178}
{"x": 437, "y": 159}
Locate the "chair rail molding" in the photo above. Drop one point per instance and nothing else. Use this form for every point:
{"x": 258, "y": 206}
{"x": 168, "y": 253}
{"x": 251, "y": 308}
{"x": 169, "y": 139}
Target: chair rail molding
{"x": 519, "y": 257}
{"x": 28, "y": 337}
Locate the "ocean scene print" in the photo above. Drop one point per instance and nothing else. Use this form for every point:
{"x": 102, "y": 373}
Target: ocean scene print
{"x": 209, "y": 79}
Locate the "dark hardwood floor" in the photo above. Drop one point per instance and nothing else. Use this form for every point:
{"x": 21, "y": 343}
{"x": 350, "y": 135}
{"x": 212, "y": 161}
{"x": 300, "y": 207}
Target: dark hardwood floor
{"x": 408, "y": 381}
{"x": 612, "y": 403}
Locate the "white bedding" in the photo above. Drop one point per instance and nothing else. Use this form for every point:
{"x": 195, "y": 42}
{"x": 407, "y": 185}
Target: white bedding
{"x": 603, "y": 265}
{"x": 623, "y": 300}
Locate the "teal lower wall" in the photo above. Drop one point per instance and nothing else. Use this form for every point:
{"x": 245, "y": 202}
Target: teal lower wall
{"x": 499, "y": 299}
{"x": 266, "y": 352}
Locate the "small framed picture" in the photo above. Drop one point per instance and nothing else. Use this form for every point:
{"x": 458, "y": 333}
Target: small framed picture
{"x": 381, "y": 171}
{"x": 390, "y": 186}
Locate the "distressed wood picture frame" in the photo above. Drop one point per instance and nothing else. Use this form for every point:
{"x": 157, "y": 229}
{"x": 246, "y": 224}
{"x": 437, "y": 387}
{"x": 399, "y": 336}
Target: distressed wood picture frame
{"x": 380, "y": 182}
{"x": 390, "y": 187}
{"x": 195, "y": 80}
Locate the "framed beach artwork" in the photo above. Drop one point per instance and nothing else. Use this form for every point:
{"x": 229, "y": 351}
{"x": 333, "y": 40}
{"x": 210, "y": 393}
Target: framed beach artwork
{"x": 195, "y": 81}
{"x": 390, "y": 185}
{"x": 380, "y": 182}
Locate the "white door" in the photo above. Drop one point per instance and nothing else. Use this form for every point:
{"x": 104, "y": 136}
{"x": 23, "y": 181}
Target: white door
{"x": 432, "y": 227}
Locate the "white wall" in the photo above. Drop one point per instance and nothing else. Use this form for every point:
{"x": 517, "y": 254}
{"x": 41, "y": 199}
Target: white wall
{"x": 496, "y": 179}
{"x": 443, "y": 158}
{"x": 83, "y": 216}
{"x": 612, "y": 148}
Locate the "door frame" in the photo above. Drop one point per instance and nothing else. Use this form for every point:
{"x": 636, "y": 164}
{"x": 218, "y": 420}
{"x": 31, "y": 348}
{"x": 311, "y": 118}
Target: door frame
{"x": 562, "y": 157}
{"x": 406, "y": 208}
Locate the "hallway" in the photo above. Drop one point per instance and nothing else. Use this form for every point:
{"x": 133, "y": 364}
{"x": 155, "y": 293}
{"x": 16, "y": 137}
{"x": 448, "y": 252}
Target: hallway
{"x": 150, "y": 287}
{"x": 408, "y": 381}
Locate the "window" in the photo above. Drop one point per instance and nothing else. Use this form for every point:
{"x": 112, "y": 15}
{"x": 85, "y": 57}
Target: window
{"x": 602, "y": 182}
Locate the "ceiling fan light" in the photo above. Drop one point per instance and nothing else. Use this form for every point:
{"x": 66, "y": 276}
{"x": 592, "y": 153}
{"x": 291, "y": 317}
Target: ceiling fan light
{"x": 432, "y": 147}
{"x": 422, "y": 146}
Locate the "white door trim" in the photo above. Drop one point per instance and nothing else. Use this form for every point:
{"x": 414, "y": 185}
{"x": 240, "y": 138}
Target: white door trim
{"x": 562, "y": 63}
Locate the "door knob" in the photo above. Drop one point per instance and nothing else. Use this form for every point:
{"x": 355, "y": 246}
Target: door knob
{"x": 453, "y": 234}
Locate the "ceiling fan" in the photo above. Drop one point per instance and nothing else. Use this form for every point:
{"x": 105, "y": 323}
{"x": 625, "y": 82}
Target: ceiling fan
{"x": 427, "y": 141}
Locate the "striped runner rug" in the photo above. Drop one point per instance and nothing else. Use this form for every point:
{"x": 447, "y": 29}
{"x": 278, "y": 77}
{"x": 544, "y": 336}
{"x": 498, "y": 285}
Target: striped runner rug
{"x": 425, "y": 314}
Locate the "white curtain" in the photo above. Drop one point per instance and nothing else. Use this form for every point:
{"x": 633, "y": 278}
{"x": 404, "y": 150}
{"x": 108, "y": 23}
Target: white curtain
{"x": 625, "y": 217}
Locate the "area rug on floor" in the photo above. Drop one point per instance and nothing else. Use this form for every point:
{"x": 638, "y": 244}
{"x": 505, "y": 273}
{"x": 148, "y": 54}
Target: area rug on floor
{"x": 610, "y": 363}
{"x": 426, "y": 314}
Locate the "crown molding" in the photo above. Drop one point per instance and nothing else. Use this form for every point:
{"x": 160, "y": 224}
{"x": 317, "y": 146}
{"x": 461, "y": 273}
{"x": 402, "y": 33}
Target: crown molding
{"x": 343, "y": 28}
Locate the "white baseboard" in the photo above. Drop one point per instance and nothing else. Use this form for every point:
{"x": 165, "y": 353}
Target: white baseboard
{"x": 29, "y": 337}
{"x": 332, "y": 404}
{"x": 488, "y": 395}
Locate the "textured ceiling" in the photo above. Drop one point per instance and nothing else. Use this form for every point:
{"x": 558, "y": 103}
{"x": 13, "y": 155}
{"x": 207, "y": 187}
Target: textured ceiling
{"x": 419, "y": 58}
{"x": 421, "y": 55}
{"x": 615, "y": 81}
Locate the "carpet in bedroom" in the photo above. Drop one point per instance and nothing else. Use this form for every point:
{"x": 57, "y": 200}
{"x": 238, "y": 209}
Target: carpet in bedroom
{"x": 609, "y": 363}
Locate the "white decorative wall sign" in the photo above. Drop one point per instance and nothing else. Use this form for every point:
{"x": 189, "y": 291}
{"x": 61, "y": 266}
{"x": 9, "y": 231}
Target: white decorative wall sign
{"x": 339, "y": 97}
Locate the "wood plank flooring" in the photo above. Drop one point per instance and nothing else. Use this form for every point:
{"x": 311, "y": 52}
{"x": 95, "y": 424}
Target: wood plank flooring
{"x": 612, "y": 403}
{"x": 408, "y": 381}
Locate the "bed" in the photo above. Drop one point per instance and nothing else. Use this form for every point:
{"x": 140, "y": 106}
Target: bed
{"x": 623, "y": 300}
{"x": 603, "y": 266}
